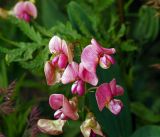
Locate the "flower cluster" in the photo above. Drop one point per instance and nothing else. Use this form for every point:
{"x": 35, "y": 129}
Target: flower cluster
{"x": 62, "y": 68}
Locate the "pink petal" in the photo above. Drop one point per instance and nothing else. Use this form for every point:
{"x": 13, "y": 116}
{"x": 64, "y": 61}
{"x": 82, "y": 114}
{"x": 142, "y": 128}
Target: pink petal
{"x": 58, "y": 113}
{"x": 70, "y": 74}
{"x": 19, "y": 9}
{"x": 69, "y": 110}
{"x": 87, "y": 76}
{"x": 62, "y": 61}
{"x": 119, "y": 90}
{"x": 51, "y": 74}
{"x": 55, "y": 44}
{"x": 113, "y": 86}
{"x": 115, "y": 106}
{"x": 55, "y": 60}
{"x": 74, "y": 87}
{"x": 101, "y": 49}
{"x": 116, "y": 89}
{"x": 26, "y": 17}
{"x": 30, "y": 8}
{"x": 106, "y": 61}
{"x": 110, "y": 59}
{"x": 103, "y": 95}
{"x": 80, "y": 88}
{"x": 89, "y": 58}
{"x": 56, "y": 101}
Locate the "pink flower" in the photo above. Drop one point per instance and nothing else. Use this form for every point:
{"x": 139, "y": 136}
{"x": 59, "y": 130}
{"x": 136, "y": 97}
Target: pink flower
{"x": 52, "y": 74}
{"x": 64, "y": 109}
{"x": 90, "y": 127}
{"x": 62, "y": 52}
{"x": 79, "y": 75}
{"x": 94, "y": 54}
{"x": 104, "y": 96}
{"x": 25, "y": 10}
{"x": 62, "y": 55}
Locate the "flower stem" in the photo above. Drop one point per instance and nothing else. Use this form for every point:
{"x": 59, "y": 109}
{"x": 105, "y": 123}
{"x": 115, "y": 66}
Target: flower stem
{"x": 92, "y": 88}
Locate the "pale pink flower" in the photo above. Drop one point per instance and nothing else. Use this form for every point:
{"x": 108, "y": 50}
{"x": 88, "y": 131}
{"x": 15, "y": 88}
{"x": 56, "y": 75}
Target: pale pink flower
{"x": 105, "y": 97}
{"x": 64, "y": 109}
{"x": 25, "y": 10}
{"x": 52, "y": 127}
{"x": 95, "y": 54}
{"x": 90, "y": 127}
{"x": 61, "y": 57}
{"x": 79, "y": 75}
{"x": 52, "y": 74}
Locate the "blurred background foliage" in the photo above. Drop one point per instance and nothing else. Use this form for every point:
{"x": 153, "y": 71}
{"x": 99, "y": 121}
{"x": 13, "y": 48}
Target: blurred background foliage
{"x": 130, "y": 26}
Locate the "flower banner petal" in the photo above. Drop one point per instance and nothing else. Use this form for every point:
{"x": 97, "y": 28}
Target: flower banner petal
{"x": 103, "y": 95}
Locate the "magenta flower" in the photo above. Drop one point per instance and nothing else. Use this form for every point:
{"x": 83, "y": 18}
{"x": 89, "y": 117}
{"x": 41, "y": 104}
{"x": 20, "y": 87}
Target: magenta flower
{"x": 25, "y": 10}
{"x": 62, "y": 56}
{"x": 94, "y": 54}
{"x": 104, "y": 96}
{"x": 79, "y": 75}
{"x": 64, "y": 109}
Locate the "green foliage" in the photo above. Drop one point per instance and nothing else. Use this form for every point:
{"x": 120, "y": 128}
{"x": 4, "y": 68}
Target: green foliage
{"x": 28, "y": 30}
{"x": 147, "y": 131}
{"x": 24, "y": 49}
{"x": 36, "y": 65}
{"x": 144, "y": 113}
{"x": 128, "y": 46}
{"x": 18, "y": 119}
{"x": 23, "y": 53}
{"x": 50, "y": 13}
{"x": 147, "y": 26}
{"x": 80, "y": 19}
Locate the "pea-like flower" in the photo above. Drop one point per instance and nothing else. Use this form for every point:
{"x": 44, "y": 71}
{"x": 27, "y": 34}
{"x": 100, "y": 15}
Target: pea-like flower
{"x": 79, "y": 75}
{"x": 95, "y": 54}
{"x": 90, "y": 127}
{"x": 61, "y": 57}
{"x": 25, "y": 10}
{"x": 105, "y": 97}
{"x": 52, "y": 127}
{"x": 64, "y": 109}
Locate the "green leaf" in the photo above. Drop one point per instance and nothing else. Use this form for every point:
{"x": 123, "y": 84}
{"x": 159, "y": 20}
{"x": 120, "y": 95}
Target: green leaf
{"x": 3, "y": 50}
{"x": 102, "y": 4}
{"x": 113, "y": 126}
{"x": 72, "y": 129}
{"x": 27, "y": 29}
{"x": 24, "y": 53}
{"x": 128, "y": 46}
{"x": 144, "y": 113}
{"x": 66, "y": 31}
{"x": 36, "y": 65}
{"x": 146, "y": 28}
{"x": 50, "y": 13}
{"x": 80, "y": 19}
{"x": 147, "y": 131}
{"x": 121, "y": 31}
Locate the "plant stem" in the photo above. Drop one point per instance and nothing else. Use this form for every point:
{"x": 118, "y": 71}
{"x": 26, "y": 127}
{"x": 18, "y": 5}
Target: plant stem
{"x": 121, "y": 11}
{"x": 92, "y": 88}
